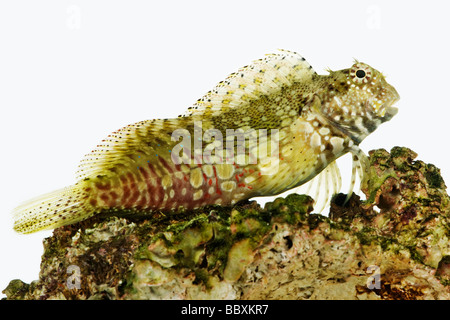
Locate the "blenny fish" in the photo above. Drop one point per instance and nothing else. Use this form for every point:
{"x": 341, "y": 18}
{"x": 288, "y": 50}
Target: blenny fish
{"x": 269, "y": 127}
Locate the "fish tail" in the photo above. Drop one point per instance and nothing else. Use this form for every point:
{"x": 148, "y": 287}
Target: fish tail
{"x": 52, "y": 210}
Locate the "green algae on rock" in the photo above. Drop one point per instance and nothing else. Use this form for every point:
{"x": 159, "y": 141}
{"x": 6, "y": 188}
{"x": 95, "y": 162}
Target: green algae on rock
{"x": 395, "y": 245}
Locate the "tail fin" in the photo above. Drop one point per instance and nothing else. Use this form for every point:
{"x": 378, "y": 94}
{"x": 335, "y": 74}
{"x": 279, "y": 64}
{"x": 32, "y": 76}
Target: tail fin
{"x": 52, "y": 210}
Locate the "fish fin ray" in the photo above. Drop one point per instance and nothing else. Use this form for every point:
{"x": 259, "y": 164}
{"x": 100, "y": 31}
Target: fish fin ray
{"x": 52, "y": 210}
{"x": 323, "y": 186}
{"x": 131, "y": 145}
{"x": 262, "y": 77}
{"x": 360, "y": 167}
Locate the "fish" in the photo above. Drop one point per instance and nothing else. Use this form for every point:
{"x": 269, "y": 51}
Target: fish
{"x": 272, "y": 126}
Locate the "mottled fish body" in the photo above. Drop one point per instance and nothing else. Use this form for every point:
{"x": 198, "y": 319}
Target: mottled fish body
{"x": 271, "y": 126}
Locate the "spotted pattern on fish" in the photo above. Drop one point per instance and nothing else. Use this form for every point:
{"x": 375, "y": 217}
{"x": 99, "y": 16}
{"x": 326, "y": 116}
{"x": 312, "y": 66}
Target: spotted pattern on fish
{"x": 305, "y": 120}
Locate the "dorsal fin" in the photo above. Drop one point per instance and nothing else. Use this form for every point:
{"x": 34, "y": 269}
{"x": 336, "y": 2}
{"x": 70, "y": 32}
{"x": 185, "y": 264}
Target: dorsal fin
{"x": 262, "y": 77}
{"x": 133, "y": 144}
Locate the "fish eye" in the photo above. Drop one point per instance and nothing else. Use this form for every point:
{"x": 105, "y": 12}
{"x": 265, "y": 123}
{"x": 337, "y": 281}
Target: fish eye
{"x": 360, "y": 73}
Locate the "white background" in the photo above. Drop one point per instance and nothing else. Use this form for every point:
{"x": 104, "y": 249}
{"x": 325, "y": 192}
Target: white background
{"x": 71, "y": 72}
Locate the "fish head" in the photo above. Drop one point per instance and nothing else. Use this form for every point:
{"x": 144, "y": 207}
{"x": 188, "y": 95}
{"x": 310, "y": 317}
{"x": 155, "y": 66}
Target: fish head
{"x": 357, "y": 100}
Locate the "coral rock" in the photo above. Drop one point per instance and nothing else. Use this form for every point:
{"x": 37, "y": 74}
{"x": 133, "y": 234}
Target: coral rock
{"x": 395, "y": 245}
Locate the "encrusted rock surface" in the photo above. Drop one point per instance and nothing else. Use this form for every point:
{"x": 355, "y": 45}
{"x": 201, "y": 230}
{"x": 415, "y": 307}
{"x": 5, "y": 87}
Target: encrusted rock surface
{"x": 395, "y": 245}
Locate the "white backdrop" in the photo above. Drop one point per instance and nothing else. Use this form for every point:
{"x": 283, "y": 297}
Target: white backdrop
{"x": 71, "y": 72}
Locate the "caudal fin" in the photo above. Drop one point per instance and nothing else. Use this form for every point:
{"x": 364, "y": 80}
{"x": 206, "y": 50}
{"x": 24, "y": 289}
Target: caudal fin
{"x": 52, "y": 210}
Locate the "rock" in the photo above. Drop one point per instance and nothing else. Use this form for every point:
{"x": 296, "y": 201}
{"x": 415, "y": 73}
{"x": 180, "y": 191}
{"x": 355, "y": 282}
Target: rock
{"x": 395, "y": 245}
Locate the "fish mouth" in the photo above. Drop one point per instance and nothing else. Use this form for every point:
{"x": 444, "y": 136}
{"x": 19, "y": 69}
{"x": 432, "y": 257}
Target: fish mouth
{"x": 387, "y": 111}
